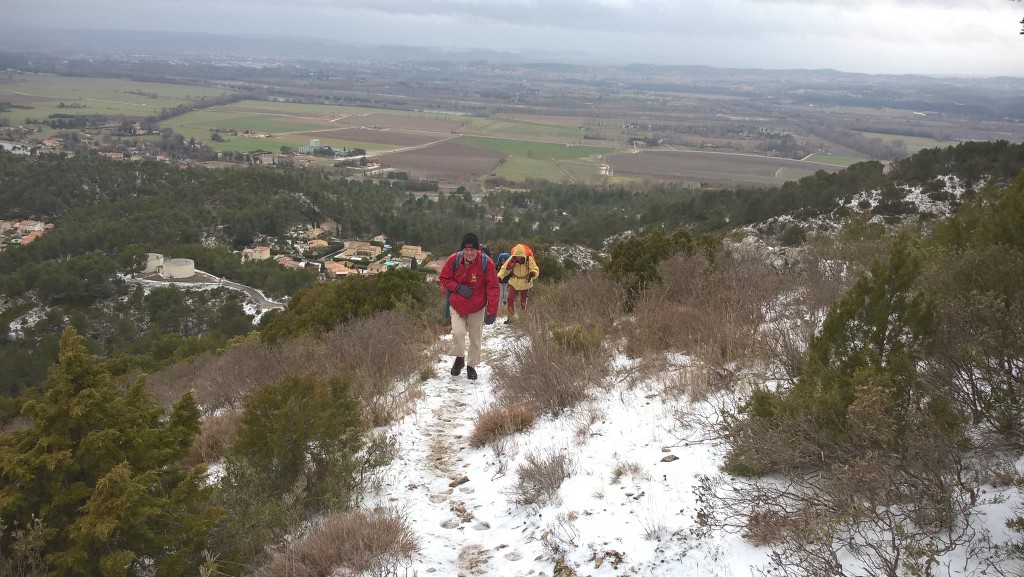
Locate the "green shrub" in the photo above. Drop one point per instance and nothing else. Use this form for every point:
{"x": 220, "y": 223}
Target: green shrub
{"x": 303, "y": 429}
{"x": 577, "y": 339}
{"x": 794, "y": 235}
{"x": 871, "y": 340}
{"x": 634, "y": 260}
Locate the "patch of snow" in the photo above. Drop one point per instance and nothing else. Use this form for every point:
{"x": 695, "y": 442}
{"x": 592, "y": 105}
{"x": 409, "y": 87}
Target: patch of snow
{"x": 459, "y": 500}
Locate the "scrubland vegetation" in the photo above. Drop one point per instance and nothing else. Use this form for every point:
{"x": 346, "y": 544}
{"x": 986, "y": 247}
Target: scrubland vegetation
{"x": 867, "y": 392}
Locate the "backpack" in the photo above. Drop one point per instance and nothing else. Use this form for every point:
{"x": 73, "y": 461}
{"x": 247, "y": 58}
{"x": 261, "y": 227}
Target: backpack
{"x": 455, "y": 265}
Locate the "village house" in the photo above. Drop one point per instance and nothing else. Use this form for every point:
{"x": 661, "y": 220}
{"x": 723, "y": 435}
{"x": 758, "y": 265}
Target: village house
{"x": 361, "y": 248}
{"x": 314, "y": 233}
{"x": 30, "y": 237}
{"x": 434, "y": 265}
{"x": 317, "y": 243}
{"x": 376, "y": 267}
{"x": 27, "y": 226}
{"x": 256, "y": 253}
{"x": 288, "y": 262}
{"x": 338, "y": 269}
{"x": 411, "y": 250}
{"x": 21, "y": 232}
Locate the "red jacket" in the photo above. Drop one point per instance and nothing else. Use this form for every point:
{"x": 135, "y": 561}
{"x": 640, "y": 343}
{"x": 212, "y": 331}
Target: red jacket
{"x": 484, "y": 285}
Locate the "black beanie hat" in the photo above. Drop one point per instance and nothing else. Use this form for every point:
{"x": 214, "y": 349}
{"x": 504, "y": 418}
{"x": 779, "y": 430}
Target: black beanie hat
{"x": 470, "y": 240}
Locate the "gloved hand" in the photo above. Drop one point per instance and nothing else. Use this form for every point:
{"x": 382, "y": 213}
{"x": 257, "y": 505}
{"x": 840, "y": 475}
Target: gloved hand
{"x": 464, "y": 290}
{"x": 531, "y": 275}
{"x": 511, "y": 264}
{"x": 488, "y": 319}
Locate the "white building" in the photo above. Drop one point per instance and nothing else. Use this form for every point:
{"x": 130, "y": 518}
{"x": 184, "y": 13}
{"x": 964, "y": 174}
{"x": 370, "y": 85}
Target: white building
{"x": 179, "y": 268}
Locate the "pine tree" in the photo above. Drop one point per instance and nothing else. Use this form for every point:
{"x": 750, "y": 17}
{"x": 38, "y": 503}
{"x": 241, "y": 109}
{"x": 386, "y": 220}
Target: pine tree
{"x": 100, "y": 468}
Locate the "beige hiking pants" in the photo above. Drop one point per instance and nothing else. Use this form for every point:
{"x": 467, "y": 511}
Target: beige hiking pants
{"x": 473, "y": 324}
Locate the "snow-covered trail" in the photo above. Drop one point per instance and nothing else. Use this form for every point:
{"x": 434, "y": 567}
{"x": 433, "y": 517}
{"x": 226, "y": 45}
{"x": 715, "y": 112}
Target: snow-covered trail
{"x": 455, "y": 497}
{"x": 445, "y": 488}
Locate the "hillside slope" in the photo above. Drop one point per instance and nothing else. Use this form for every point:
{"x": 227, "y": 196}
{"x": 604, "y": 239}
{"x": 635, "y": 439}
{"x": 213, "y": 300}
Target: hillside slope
{"x": 635, "y": 453}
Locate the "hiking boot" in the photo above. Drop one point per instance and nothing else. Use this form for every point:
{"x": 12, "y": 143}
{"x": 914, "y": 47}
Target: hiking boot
{"x": 457, "y": 366}
{"x": 508, "y": 321}
{"x": 471, "y": 373}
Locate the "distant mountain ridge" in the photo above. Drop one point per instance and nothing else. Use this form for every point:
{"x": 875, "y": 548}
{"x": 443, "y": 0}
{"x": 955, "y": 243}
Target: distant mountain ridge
{"x": 162, "y": 44}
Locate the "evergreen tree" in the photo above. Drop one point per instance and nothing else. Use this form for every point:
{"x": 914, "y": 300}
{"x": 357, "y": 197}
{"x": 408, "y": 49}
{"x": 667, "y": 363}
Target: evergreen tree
{"x": 867, "y": 351}
{"x": 100, "y": 468}
{"x": 634, "y": 261}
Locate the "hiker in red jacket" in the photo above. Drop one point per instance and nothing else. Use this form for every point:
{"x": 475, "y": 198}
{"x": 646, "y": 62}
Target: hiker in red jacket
{"x": 471, "y": 281}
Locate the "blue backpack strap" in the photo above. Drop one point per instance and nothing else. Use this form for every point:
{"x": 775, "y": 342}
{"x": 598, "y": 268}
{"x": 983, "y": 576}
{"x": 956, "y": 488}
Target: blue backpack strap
{"x": 483, "y": 263}
{"x": 455, "y": 265}
{"x": 448, "y": 294}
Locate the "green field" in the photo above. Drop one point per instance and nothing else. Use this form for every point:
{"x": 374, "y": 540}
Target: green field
{"x": 542, "y": 160}
{"x": 87, "y": 96}
{"x": 583, "y": 172}
{"x": 207, "y": 120}
{"x": 283, "y": 131}
{"x": 294, "y": 109}
{"x": 519, "y": 168}
{"x": 913, "y": 143}
{"x": 521, "y": 129}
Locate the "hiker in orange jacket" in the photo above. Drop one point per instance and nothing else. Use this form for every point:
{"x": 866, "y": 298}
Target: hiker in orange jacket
{"x": 471, "y": 280}
{"x": 520, "y": 270}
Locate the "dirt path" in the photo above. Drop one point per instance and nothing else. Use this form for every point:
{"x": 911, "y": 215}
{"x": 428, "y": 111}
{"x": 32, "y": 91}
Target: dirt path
{"x": 444, "y": 481}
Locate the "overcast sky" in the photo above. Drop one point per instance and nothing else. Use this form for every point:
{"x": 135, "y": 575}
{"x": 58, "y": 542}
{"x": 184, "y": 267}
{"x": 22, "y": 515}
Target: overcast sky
{"x": 941, "y": 37}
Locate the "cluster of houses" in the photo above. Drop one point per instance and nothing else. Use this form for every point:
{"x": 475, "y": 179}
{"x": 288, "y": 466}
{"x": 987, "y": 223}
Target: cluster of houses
{"x": 349, "y": 257}
{"x": 21, "y": 231}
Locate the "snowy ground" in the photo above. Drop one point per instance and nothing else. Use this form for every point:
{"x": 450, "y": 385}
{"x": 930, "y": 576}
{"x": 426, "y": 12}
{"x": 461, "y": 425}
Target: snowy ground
{"x": 457, "y": 500}
{"x": 638, "y": 525}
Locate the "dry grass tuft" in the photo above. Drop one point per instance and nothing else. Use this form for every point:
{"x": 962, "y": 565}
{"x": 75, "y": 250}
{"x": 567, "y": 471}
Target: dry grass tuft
{"x": 711, "y": 310}
{"x": 626, "y": 469}
{"x": 215, "y": 435}
{"x": 587, "y": 300}
{"x": 539, "y": 478}
{"x": 381, "y": 354}
{"x": 361, "y": 542}
{"x": 500, "y": 422}
{"x": 553, "y": 368}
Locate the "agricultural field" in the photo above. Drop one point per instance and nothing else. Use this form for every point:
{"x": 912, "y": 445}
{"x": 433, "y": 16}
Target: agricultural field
{"x": 250, "y": 125}
{"x": 448, "y": 161}
{"x": 834, "y": 159}
{"x": 913, "y": 143}
{"x": 38, "y": 96}
{"x": 518, "y": 129}
{"x": 202, "y": 122}
{"x": 542, "y": 160}
{"x": 389, "y": 139}
{"x": 566, "y": 127}
{"x": 717, "y": 169}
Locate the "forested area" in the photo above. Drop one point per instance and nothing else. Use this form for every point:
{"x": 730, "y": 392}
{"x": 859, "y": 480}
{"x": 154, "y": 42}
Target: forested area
{"x": 912, "y": 376}
{"x": 108, "y": 214}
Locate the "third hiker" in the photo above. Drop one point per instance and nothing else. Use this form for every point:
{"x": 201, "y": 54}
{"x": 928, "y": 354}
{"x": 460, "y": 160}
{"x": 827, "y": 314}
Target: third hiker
{"x": 520, "y": 270}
